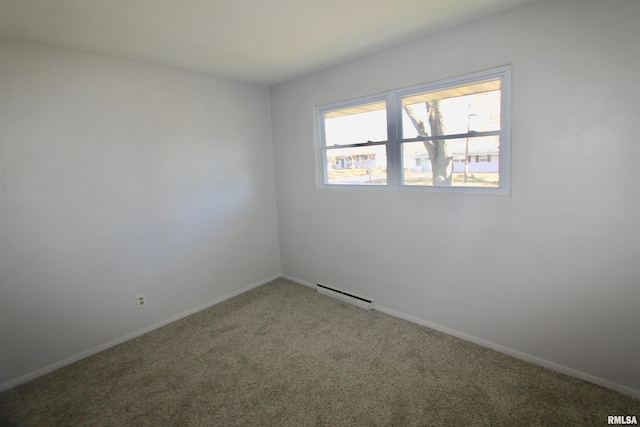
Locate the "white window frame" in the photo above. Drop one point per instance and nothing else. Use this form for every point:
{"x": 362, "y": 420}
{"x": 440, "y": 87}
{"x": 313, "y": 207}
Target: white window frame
{"x": 393, "y": 100}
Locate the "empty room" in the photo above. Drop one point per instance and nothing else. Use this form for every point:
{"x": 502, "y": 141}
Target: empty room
{"x": 319, "y": 212}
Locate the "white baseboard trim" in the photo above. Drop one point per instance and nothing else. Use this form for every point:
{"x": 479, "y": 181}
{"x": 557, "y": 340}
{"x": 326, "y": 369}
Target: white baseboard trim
{"x": 69, "y": 360}
{"x": 515, "y": 353}
{"x": 499, "y": 348}
{"x": 300, "y": 281}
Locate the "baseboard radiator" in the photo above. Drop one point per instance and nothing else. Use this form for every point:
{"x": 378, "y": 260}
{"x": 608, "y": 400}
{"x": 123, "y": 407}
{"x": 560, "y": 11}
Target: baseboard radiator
{"x": 367, "y": 304}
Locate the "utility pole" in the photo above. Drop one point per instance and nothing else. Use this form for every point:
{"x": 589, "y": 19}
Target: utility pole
{"x": 466, "y": 148}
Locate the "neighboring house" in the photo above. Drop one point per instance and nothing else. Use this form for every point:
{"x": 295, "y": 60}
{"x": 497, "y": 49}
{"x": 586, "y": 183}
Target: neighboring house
{"x": 483, "y": 156}
{"x": 356, "y": 158}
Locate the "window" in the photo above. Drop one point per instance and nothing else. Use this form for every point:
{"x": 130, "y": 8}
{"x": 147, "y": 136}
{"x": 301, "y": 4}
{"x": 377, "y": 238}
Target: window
{"x": 355, "y": 141}
{"x": 451, "y": 135}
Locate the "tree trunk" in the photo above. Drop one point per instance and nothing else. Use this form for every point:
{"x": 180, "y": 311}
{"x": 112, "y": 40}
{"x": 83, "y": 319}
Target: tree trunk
{"x": 441, "y": 161}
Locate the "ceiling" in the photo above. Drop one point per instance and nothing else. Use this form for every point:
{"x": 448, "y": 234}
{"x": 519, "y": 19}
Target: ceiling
{"x": 260, "y": 41}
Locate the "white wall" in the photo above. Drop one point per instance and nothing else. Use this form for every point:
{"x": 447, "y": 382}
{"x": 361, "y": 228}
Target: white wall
{"x": 550, "y": 273}
{"x": 120, "y": 178}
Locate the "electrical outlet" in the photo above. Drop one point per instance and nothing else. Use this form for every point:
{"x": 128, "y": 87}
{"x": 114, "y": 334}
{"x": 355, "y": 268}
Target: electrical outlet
{"x": 141, "y": 300}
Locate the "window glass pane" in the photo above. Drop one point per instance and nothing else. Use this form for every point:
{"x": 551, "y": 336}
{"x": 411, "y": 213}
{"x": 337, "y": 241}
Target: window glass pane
{"x": 467, "y": 156}
{"x": 473, "y": 107}
{"x": 357, "y": 165}
{"x": 356, "y": 125}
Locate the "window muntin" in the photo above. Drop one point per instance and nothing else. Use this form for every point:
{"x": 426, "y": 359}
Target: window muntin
{"x": 390, "y": 140}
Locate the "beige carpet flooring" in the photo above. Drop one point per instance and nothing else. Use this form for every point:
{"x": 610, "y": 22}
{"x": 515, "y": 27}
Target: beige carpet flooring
{"x": 283, "y": 355}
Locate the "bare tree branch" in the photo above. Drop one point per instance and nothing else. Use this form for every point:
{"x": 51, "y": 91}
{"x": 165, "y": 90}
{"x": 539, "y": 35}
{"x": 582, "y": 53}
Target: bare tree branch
{"x": 421, "y": 129}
